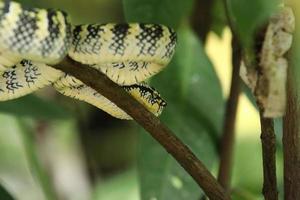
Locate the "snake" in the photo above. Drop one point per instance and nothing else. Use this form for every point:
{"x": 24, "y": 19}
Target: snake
{"x": 34, "y": 39}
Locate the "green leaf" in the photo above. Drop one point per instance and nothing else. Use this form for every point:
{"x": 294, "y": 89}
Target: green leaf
{"x": 194, "y": 113}
{"x": 247, "y": 91}
{"x": 120, "y": 187}
{"x": 15, "y": 172}
{"x": 295, "y": 51}
{"x": 250, "y": 15}
{"x": 37, "y": 169}
{"x": 4, "y": 195}
{"x": 167, "y": 12}
{"x": 219, "y": 20}
{"x": 34, "y": 107}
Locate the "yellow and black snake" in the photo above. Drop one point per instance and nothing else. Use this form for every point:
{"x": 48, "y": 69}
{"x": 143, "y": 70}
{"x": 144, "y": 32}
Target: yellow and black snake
{"x": 31, "y": 40}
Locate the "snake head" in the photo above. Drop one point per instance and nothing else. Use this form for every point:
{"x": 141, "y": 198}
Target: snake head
{"x": 148, "y": 97}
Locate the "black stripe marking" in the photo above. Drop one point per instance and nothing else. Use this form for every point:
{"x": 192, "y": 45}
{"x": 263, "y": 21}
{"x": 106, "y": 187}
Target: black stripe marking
{"x": 150, "y": 34}
{"x": 118, "y": 45}
{"x": 25, "y": 31}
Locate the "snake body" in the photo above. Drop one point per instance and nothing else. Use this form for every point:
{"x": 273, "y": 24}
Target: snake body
{"x": 33, "y": 39}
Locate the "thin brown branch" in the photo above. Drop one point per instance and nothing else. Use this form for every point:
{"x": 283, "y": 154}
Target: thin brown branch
{"x": 227, "y": 140}
{"x": 268, "y": 137}
{"x": 291, "y": 123}
{"x": 291, "y": 140}
{"x": 268, "y": 141}
{"x": 149, "y": 122}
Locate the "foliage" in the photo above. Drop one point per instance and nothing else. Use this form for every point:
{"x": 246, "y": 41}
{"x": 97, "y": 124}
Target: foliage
{"x": 4, "y": 195}
{"x": 245, "y": 21}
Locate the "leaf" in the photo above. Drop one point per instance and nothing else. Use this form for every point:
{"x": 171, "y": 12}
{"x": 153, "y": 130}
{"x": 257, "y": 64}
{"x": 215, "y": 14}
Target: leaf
{"x": 4, "y": 195}
{"x": 123, "y": 186}
{"x": 219, "y": 20}
{"x": 34, "y": 107}
{"x": 167, "y": 12}
{"x": 15, "y": 172}
{"x": 248, "y": 93}
{"x": 37, "y": 169}
{"x": 295, "y": 51}
{"x": 194, "y": 113}
{"x": 250, "y": 15}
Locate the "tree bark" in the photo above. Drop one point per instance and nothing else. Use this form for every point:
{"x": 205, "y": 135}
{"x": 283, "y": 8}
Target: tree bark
{"x": 291, "y": 122}
{"x": 268, "y": 141}
{"x": 227, "y": 140}
{"x": 291, "y": 141}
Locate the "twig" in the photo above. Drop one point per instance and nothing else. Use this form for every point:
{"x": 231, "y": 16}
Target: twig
{"x": 227, "y": 140}
{"x": 149, "y": 122}
{"x": 291, "y": 140}
{"x": 268, "y": 137}
{"x": 291, "y": 124}
{"x": 268, "y": 141}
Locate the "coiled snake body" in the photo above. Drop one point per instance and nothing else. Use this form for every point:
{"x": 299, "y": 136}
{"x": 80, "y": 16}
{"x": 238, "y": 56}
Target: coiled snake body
{"x": 33, "y": 39}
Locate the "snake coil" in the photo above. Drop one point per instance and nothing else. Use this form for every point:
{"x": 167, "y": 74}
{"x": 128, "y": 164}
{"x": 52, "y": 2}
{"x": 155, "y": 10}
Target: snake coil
{"x": 31, "y": 39}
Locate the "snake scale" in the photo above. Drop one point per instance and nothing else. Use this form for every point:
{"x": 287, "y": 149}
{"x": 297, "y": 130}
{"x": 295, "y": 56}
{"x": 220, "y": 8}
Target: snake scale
{"x": 32, "y": 39}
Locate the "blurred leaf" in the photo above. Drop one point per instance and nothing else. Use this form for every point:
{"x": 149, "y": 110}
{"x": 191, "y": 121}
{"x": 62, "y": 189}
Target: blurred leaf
{"x": 219, "y": 20}
{"x": 167, "y": 12}
{"x": 15, "y": 172}
{"x": 295, "y": 51}
{"x": 4, "y": 195}
{"x": 244, "y": 177}
{"x": 31, "y": 150}
{"x": 35, "y": 107}
{"x": 121, "y": 187}
{"x": 247, "y": 91}
{"x": 250, "y": 15}
{"x": 278, "y": 125}
{"x": 67, "y": 164}
{"x": 194, "y": 113}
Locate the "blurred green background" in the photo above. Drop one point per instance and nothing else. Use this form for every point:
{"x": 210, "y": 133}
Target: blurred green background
{"x": 53, "y": 147}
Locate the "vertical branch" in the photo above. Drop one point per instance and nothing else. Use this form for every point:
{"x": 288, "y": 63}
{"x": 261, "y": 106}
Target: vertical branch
{"x": 268, "y": 141}
{"x": 227, "y": 140}
{"x": 291, "y": 122}
{"x": 291, "y": 146}
{"x": 291, "y": 141}
{"x": 268, "y": 137}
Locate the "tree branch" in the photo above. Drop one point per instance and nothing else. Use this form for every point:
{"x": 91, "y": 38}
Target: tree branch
{"x": 291, "y": 139}
{"x": 268, "y": 141}
{"x": 291, "y": 123}
{"x": 268, "y": 137}
{"x": 227, "y": 140}
{"x": 149, "y": 122}
{"x": 291, "y": 134}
